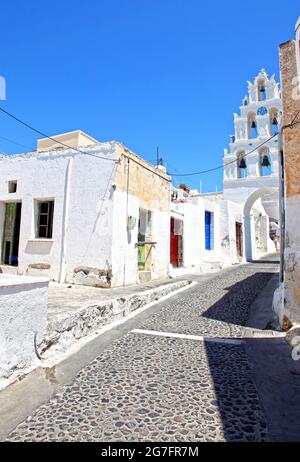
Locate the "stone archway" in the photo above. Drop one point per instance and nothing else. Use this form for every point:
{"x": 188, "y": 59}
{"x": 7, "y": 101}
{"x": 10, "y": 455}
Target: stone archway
{"x": 249, "y": 226}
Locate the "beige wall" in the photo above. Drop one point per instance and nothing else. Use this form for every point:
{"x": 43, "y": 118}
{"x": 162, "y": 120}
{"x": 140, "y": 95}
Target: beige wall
{"x": 149, "y": 184}
{"x": 74, "y": 139}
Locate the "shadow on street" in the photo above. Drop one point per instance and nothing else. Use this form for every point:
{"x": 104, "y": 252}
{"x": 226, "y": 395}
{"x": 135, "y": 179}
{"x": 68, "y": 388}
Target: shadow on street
{"x": 233, "y": 307}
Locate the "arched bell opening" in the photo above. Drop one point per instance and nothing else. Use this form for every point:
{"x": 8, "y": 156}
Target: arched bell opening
{"x": 252, "y": 126}
{"x": 261, "y": 88}
{"x": 274, "y": 123}
{"x": 265, "y": 162}
{"x": 241, "y": 165}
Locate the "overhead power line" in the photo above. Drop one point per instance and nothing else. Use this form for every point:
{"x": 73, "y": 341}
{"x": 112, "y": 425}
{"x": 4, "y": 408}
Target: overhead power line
{"x": 51, "y": 138}
{"x": 70, "y": 147}
{"x": 294, "y": 119}
{"x": 15, "y": 142}
{"x": 222, "y": 166}
{"x": 291, "y": 125}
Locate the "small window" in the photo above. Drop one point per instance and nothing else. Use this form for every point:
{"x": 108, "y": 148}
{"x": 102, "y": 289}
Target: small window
{"x": 145, "y": 225}
{"x": 12, "y": 186}
{"x": 45, "y": 219}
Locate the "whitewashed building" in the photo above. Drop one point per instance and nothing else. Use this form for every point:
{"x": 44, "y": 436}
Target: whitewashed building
{"x": 194, "y": 240}
{"x": 236, "y": 225}
{"x": 94, "y": 213}
{"x": 203, "y": 231}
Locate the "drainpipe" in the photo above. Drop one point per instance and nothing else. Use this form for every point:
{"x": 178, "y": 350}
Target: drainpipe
{"x": 65, "y": 216}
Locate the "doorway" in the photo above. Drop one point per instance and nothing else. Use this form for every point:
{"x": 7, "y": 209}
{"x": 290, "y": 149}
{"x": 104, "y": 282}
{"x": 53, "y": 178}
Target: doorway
{"x": 176, "y": 243}
{"x": 145, "y": 244}
{"x": 239, "y": 238}
{"x": 11, "y": 234}
{"x": 209, "y": 230}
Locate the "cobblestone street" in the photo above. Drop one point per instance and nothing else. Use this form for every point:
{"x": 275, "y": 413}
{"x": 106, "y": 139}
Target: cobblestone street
{"x": 146, "y": 387}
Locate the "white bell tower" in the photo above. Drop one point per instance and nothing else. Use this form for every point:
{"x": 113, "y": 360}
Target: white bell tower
{"x": 251, "y": 164}
{"x": 247, "y": 161}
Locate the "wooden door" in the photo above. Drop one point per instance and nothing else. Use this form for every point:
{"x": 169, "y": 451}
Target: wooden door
{"x": 176, "y": 243}
{"x": 208, "y": 224}
{"x": 11, "y": 234}
{"x": 239, "y": 239}
{"x": 173, "y": 245}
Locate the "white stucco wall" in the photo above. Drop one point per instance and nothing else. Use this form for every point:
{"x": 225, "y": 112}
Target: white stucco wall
{"x": 89, "y": 214}
{"x": 230, "y": 214}
{"x": 192, "y": 213}
{"x": 161, "y": 250}
{"x": 210, "y": 205}
{"x": 23, "y": 316}
{"x": 240, "y": 190}
{"x": 81, "y": 187}
{"x": 124, "y": 250}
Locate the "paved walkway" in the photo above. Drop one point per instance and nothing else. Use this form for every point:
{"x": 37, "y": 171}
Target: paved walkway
{"x": 149, "y": 387}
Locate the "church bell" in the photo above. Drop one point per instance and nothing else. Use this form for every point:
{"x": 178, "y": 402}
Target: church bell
{"x": 243, "y": 164}
{"x": 266, "y": 161}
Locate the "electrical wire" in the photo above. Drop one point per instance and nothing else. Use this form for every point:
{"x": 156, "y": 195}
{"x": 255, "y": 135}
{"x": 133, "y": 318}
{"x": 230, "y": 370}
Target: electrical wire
{"x": 296, "y": 117}
{"x": 76, "y": 149}
{"x": 223, "y": 165}
{"x": 146, "y": 168}
{"x": 15, "y": 142}
{"x": 291, "y": 125}
{"x": 53, "y": 139}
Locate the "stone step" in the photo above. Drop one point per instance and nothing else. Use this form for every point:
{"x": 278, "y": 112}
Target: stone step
{"x": 144, "y": 277}
{"x": 7, "y": 269}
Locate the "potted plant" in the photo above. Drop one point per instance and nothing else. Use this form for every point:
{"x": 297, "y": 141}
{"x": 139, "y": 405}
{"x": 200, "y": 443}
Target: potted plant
{"x": 184, "y": 187}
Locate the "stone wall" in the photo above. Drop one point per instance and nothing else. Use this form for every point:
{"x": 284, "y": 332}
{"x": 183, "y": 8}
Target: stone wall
{"x": 289, "y": 305}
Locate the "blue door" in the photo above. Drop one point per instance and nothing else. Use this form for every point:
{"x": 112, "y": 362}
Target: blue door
{"x": 207, "y": 230}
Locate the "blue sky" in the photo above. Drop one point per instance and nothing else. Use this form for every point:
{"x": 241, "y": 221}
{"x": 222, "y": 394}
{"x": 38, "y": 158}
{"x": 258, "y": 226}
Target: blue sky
{"x": 147, "y": 73}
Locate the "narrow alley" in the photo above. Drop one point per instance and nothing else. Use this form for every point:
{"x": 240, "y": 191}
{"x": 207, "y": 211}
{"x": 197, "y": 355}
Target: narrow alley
{"x": 180, "y": 373}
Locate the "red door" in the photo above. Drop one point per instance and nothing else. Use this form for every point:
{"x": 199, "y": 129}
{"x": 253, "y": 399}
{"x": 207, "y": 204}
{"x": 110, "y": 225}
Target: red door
{"x": 173, "y": 246}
